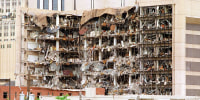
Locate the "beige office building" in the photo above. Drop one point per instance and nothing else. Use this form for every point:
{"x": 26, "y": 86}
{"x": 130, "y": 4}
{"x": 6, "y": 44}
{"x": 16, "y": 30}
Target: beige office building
{"x": 7, "y": 38}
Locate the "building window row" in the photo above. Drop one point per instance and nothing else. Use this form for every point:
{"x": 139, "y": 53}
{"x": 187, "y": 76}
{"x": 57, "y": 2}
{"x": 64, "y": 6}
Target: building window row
{"x": 6, "y": 34}
{"x": 7, "y": 40}
{"x": 54, "y": 4}
{"x": 8, "y": 46}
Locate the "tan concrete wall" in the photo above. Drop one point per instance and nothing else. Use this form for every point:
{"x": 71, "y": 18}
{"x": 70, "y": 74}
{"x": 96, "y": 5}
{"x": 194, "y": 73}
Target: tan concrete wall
{"x": 7, "y": 57}
{"x": 193, "y": 8}
{"x": 179, "y": 81}
{"x": 18, "y": 47}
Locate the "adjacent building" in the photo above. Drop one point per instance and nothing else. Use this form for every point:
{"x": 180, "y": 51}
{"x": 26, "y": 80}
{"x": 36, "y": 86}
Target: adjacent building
{"x": 7, "y": 37}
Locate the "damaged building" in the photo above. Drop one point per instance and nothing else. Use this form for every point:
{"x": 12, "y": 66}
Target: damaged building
{"x": 124, "y": 50}
{"x": 128, "y": 50}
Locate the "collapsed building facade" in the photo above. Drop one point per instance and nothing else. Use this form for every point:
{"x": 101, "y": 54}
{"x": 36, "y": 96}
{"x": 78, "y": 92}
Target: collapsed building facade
{"x": 129, "y": 51}
{"x": 125, "y": 51}
{"x": 164, "y": 48}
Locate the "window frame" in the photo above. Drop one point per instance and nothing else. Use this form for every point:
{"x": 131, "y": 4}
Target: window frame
{"x": 62, "y": 5}
{"x": 54, "y": 6}
{"x": 46, "y": 2}
{"x": 38, "y": 4}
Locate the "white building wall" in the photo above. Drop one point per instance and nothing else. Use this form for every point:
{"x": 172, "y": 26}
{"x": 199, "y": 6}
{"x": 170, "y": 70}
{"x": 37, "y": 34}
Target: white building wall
{"x": 99, "y": 4}
{"x": 32, "y": 4}
{"x": 69, "y": 5}
{"x": 83, "y": 4}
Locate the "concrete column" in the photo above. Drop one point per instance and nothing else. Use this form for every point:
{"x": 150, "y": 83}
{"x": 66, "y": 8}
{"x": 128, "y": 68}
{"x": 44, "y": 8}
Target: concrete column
{"x": 115, "y": 76}
{"x": 115, "y": 43}
{"x": 17, "y": 3}
{"x": 129, "y": 80}
{"x": 100, "y": 53}
{"x": 9, "y": 30}
{"x": 11, "y": 7}
{"x": 156, "y": 64}
{"x": 85, "y": 43}
{"x": 157, "y": 10}
{"x": 22, "y": 81}
{"x": 41, "y": 4}
{"x": 130, "y": 50}
{"x": 26, "y": 3}
{"x": 100, "y": 80}
{"x": 57, "y": 34}
{"x": 59, "y": 5}
{"x": 51, "y": 4}
{"x": 85, "y": 48}
{"x": 115, "y": 80}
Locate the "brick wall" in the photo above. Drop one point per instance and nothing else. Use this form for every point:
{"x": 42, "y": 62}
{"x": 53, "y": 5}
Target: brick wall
{"x": 15, "y": 91}
{"x": 100, "y": 91}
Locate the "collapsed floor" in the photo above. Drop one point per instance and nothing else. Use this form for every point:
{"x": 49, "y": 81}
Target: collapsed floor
{"x": 125, "y": 51}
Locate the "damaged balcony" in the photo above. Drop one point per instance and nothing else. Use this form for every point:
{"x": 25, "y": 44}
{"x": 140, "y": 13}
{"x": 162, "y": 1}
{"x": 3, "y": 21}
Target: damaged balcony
{"x": 52, "y": 50}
